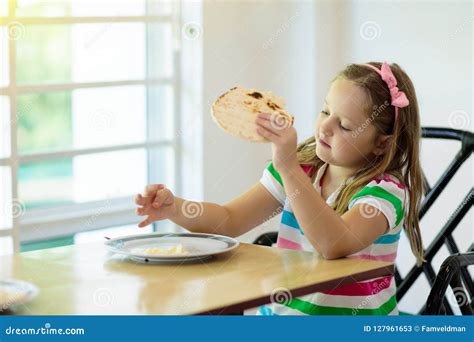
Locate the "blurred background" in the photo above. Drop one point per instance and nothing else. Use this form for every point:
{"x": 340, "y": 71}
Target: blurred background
{"x": 100, "y": 97}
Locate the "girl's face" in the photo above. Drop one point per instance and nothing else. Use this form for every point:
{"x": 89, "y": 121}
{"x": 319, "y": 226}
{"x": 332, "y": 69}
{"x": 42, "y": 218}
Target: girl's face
{"x": 344, "y": 134}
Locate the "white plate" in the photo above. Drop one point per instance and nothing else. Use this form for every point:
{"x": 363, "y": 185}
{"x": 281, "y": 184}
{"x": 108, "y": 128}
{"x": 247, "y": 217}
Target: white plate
{"x": 16, "y": 292}
{"x": 197, "y": 245}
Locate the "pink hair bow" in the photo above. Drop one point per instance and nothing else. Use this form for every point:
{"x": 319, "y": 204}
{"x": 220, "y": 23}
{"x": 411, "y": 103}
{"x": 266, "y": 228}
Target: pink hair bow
{"x": 399, "y": 99}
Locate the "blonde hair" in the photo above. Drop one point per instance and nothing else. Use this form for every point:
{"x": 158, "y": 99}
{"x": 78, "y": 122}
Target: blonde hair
{"x": 402, "y": 158}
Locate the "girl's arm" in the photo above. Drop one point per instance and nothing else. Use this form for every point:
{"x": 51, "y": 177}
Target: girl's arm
{"x": 234, "y": 218}
{"x": 331, "y": 235}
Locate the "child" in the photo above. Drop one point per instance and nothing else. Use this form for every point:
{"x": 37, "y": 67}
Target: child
{"x": 347, "y": 191}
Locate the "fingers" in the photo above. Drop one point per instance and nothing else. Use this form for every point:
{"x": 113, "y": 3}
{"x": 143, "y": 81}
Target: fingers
{"x": 267, "y": 134}
{"x": 271, "y": 127}
{"x": 148, "y": 194}
{"x": 141, "y": 211}
{"x": 161, "y": 197}
{"x": 151, "y": 189}
{"x": 267, "y": 124}
{"x": 264, "y": 116}
{"x": 140, "y": 200}
{"x": 145, "y": 222}
{"x": 153, "y": 217}
{"x": 155, "y": 195}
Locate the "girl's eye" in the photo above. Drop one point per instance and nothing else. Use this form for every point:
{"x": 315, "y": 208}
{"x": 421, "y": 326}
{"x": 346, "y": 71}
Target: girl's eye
{"x": 325, "y": 112}
{"x": 344, "y": 128}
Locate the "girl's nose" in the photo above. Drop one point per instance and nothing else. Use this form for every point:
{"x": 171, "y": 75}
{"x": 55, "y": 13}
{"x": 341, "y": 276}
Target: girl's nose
{"x": 326, "y": 128}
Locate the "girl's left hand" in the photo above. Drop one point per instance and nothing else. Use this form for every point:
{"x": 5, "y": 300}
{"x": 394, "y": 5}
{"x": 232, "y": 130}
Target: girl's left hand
{"x": 277, "y": 129}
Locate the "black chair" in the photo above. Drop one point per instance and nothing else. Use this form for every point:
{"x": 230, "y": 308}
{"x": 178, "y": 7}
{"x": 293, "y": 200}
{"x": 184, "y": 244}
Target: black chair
{"x": 445, "y": 236}
{"x": 450, "y": 273}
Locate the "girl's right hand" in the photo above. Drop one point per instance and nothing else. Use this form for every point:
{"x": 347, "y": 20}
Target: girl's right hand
{"x": 157, "y": 203}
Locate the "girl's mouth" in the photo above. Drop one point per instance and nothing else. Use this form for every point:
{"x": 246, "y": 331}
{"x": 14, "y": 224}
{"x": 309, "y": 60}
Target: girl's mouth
{"x": 323, "y": 143}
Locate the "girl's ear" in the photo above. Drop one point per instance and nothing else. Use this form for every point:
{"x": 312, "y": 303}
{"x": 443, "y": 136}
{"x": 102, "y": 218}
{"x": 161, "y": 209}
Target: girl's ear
{"x": 382, "y": 144}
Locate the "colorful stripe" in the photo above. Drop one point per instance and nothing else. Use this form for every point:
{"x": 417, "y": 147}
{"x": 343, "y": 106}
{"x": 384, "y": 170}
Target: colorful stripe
{"x": 290, "y": 233}
{"x": 387, "y": 257}
{"x": 307, "y": 168}
{"x": 378, "y": 249}
{"x": 273, "y": 187}
{"x": 369, "y": 302}
{"x": 387, "y": 179}
{"x": 314, "y": 309}
{"x": 387, "y": 239}
{"x": 275, "y": 173}
{"x": 362, "y": 288}
{"x": 265, "y": 311}
{"x": 284, "y": 243}
{"x": 376, "y": 191}
{"x": 289, "y": 219}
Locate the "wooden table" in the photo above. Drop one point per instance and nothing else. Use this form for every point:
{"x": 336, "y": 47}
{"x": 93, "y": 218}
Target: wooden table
{"x": 87, "y": 280}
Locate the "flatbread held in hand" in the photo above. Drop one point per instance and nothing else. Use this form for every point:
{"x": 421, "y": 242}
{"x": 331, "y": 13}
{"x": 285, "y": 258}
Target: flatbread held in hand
{"x": 236, "y": 110}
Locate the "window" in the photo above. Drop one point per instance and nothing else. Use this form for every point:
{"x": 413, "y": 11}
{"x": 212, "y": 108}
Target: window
{"x": 90, "y": 104}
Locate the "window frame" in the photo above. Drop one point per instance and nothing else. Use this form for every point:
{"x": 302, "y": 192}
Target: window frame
{"x": 65, "y": 220}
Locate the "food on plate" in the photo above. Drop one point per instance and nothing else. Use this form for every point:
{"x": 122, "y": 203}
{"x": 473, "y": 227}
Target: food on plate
{"x": 177, "y": 249}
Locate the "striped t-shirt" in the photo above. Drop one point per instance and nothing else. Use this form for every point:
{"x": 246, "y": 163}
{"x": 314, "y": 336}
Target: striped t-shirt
{"x": 373, "y": 297}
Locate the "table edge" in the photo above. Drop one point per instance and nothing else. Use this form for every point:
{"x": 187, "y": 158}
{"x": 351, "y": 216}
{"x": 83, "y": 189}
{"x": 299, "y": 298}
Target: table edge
{"x": 238, "y": 308}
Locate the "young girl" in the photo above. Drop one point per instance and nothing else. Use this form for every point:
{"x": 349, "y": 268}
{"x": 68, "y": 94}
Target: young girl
{"x": 347, "y": 191}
